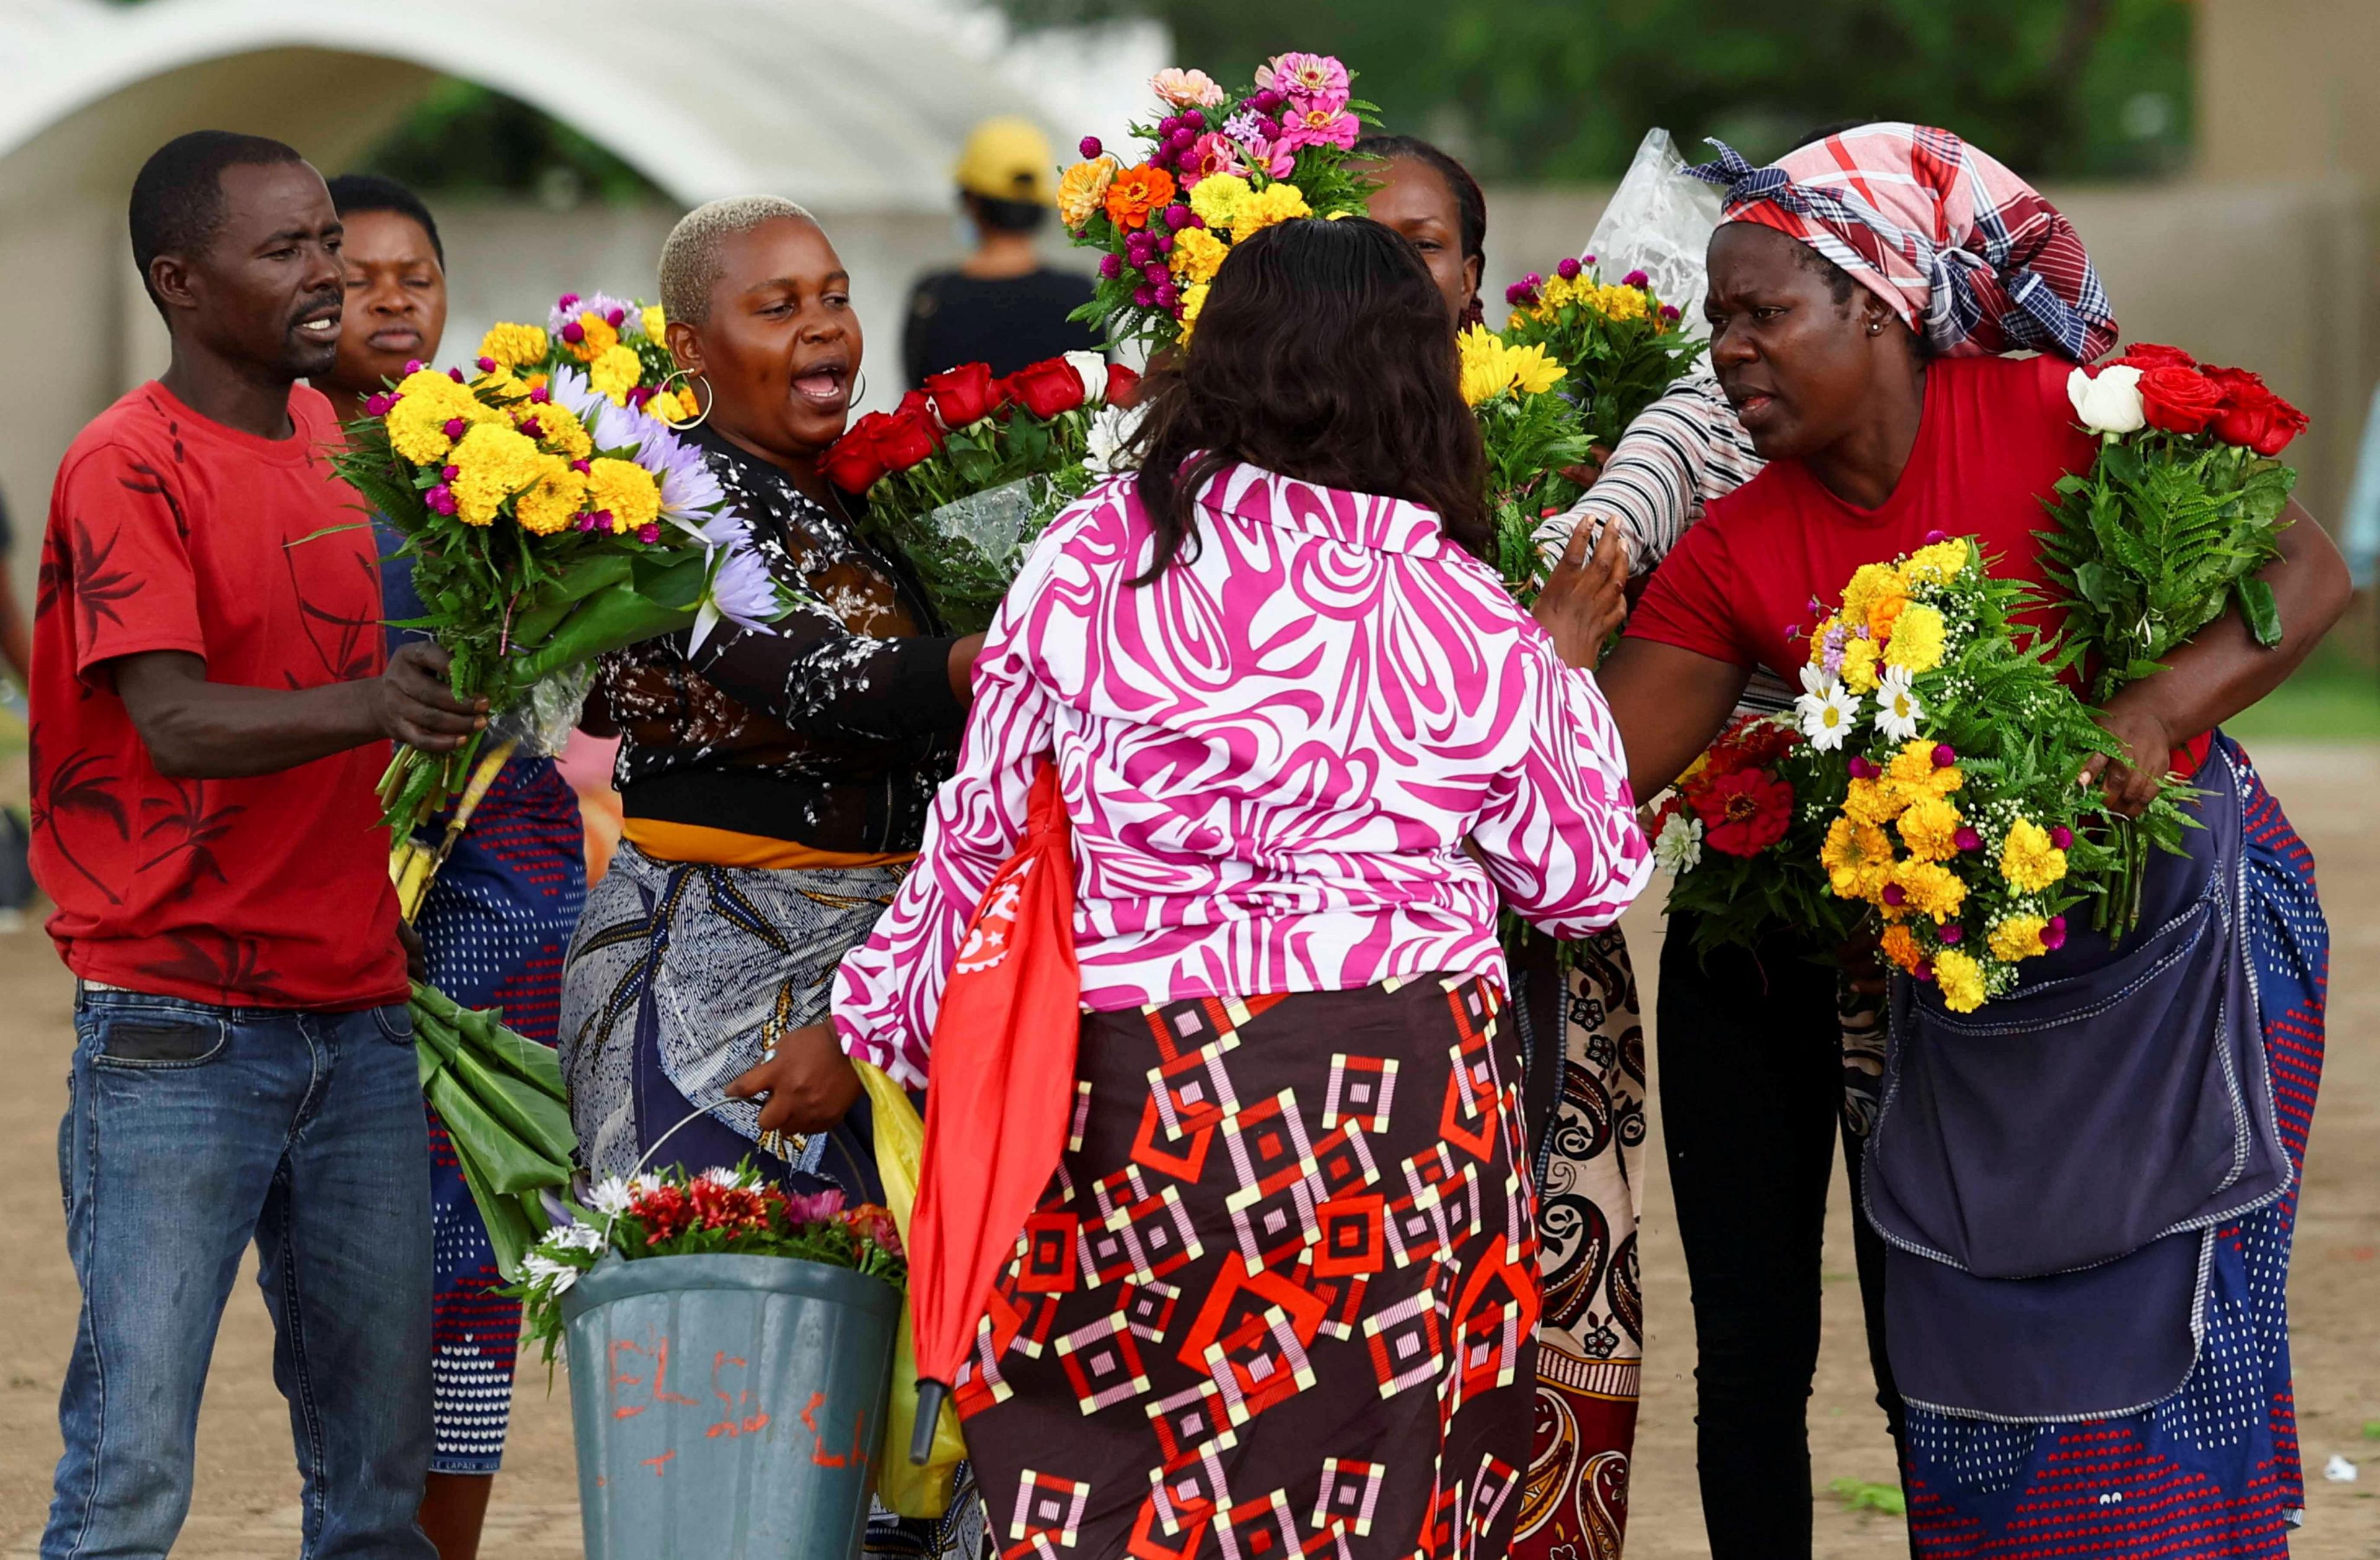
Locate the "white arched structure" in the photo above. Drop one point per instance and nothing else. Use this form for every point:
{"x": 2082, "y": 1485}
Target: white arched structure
{"x": 854, "y": 108}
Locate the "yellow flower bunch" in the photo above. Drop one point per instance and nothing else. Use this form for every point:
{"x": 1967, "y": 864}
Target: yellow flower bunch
{"x": 1858, "y": 859}
{"x": 1492, "y": 368}
{"x": 1083, "y": 191}
{"x": 1193, "y": 302}
{"x": 656, "y": 322}
{"x": 551, "y": 504}
{"x": 1927, "y": 889}
{"x": 2019, "y": 937}
{"x": 492, "y": 464}
{"x": 1613, "y": 303}
{"x": 1962, "y": 980}
{"x": 2028, "y": 861}
{"x": 429, "y": 404}
{"x": 1198, "y": 255}
{"x": 673, "y": 405}
{"x": 614, "y": 372}
{"x": 1930, "y": 829}
{"x": 514, "y": 346}
{"x": 558, "y": 429}
{"x": 1916, "y": 637}
{"x": 624, "y": 489}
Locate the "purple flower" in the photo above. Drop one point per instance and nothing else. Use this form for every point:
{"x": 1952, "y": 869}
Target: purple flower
{"x": 379, "y": 404}
{"x": 1923, "y": 973}
{"x": 487, "y": 364}
{"x": 1669, "y": 311}
{"x": 743, "y": 590}
{"x": 450, "y": 473}
{"x": 649, "y": 533}
{"x": 455, "y": 375}
{"x": 1816, "y": 608}
{"x": 1111, "y": 265}
{"x": 1567, "y": 270}
{"x": 1934, "y": 536}
{"x": 1514, "y": 294}
{"x": 1144, "y": 297}
{"x": 1266, "y": 101}
{"x": 1244, "y": 128}
{"x": 1862, "y": 769}
{"x": 1156, "y": 272}
{"x": 1587, "y": 260}
{"x": 1954, "y": 934}
{"x": 1894, "y": 895}
{"x": 567, "y": 300}
{"x": 1177, "y": 216}
{"x": 582, "y": 466}
{"x": 531, "y": 426}
{"x": 1635, "y": 279}
{"x": 1089, "y": 148}
{"x": 455, "y": 428}
{"x": 614, "y": 317}
{"x": 1967, "y": 839}
{"x": 689, "y": 490}
{"x": 574, "y": 333}
{"x": 1945, "y": 755}
{"x": 2061, "y": 836}
{"x": 540, "y": 395}
{"x": 1195, "y": 221}
{"x": 1533, "y": 281}
{"x": 2053, "y": 936}
{"x": 413, "y": 365}
{"x": 1166, "y": 297}
{"x": 440, "y": 498}
{"x": 638, "y": 395}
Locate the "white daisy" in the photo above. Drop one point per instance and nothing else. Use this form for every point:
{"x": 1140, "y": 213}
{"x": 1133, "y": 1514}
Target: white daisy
{"x": 1827, "y": 712}
{"x": 1897, "y": 709}
{"x": 575, "y": 1238}
{"x": 723, "y": 1175}
{"x": 1678, "y": 847}
{"x": 610, "y": 1196}
{"x": 1111, "y": 428}
{"x": 544, "y": 1272}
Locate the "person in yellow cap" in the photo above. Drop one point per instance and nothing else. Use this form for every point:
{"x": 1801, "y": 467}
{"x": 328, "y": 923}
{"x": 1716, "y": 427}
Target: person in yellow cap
{"x": 1002, "y": 306}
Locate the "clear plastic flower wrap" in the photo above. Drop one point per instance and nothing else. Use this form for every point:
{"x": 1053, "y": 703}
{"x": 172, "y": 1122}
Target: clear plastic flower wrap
{"x": 540, "y": 723}
{"x": 966, "y": 552}
{"x": 1659, "y": 222}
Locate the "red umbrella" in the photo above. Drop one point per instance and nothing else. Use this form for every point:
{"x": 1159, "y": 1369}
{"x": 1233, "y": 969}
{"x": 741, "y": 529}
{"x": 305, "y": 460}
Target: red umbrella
{"x": 999, "y": 1086}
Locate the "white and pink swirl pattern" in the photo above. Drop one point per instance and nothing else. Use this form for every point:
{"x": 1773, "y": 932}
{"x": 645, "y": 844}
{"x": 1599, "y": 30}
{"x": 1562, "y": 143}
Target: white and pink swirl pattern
{"x": 1271, "y": 758}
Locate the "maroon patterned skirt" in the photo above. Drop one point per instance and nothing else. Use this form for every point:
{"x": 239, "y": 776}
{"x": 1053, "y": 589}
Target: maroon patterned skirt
{"x": 1280, "y": 1298}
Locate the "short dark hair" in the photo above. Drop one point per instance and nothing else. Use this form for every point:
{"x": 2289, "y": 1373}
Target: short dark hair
{"x": 369, "y": 192}
{"x": 1321, "y": 353}
{"x": 177, "y": 204}
{"x": 1006, "y": 216}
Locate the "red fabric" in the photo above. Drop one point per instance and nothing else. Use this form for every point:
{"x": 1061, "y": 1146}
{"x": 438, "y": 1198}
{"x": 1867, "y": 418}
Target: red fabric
{"x": 169, "y": 532}
{"x": 1002, "y": 1085}
{"x": 1997, "y": 434}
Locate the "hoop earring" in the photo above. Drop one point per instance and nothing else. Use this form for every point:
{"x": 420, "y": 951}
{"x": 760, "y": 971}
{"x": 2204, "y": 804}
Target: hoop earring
{"x": 700, "y": 418}
{"x": 859, "y": 388}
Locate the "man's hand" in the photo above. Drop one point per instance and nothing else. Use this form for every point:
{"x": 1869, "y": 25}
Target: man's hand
{"x": 809, "y": 1084}
{"x": 416, "y": 957}
{"x": 1585, "y": 597}
{"x": 414, "y": 704}
{"x": 2131, "y": 784}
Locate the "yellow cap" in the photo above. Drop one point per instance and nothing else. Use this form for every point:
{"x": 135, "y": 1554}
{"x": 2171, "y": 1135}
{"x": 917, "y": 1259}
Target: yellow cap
{"x": 1008, "y": 159}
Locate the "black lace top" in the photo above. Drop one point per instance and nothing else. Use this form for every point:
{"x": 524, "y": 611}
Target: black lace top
{"x": 832, "y": 729}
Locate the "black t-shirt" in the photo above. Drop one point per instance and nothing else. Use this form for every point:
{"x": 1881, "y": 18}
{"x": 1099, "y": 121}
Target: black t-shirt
{"x": 1007, "y": 321}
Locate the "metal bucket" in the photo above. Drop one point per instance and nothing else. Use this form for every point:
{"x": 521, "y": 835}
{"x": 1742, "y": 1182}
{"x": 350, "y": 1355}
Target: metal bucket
{"x": 727, "y": 1408}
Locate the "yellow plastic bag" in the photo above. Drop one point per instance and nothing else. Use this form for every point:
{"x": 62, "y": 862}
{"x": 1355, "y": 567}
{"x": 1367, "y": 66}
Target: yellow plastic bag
{"x": 904, "y": 1487}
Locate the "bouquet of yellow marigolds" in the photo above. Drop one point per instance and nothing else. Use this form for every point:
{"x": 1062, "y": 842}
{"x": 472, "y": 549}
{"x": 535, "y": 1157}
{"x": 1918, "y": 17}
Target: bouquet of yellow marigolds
{"x": 547, "y": 524}
{"x": 1961, "y": 823}
{"x": 616, "y": 343}
{"x": 1531, "y": 432}
{"x": 1621, "y": 346}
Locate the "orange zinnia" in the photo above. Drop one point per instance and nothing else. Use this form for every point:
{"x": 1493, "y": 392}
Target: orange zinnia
{"x": 1136, "y": 193}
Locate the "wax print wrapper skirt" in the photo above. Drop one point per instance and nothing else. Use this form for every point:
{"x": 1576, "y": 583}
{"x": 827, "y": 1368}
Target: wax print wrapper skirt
{"x": 2211, "y": 1472}
{"x": 494, "y": 929}
{"x": 1587, "y": 1170}
{"x": 680, "y": 974}
{"x": 1281, "y": 1296}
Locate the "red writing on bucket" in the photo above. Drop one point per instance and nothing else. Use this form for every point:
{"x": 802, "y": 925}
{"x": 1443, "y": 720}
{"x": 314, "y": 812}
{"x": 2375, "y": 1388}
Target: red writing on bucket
{"x": 639, "y": 1382}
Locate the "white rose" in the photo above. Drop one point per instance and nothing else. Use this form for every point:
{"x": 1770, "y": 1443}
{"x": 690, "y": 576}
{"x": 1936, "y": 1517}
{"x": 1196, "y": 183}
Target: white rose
{"x": 1094, "y": 370}
{"x": 2109, "y": 401}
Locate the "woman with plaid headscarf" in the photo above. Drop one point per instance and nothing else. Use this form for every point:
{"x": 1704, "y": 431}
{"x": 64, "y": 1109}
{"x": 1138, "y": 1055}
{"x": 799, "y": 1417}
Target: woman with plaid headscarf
{"x": 1861, "y": 290}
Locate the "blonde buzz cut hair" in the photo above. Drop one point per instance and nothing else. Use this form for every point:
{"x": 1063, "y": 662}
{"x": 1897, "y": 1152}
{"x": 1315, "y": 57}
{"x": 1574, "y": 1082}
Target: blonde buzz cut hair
{"x": 691, "y": 263}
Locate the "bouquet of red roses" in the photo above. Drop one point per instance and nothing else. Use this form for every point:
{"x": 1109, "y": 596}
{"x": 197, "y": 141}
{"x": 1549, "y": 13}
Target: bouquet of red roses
{"x": 1741, "y": 835}
{"x": 967, "y": 471}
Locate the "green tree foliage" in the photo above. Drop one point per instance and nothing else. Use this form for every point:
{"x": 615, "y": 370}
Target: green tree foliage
{"x": 1564, "y": 89}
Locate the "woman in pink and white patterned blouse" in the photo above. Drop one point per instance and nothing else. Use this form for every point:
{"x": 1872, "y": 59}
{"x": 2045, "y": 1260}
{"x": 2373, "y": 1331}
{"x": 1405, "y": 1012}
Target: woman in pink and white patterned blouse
{"x": 1306, "y": 743}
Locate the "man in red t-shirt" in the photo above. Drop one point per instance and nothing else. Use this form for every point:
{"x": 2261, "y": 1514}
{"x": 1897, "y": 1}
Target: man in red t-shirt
{"x": 211, "y": 710}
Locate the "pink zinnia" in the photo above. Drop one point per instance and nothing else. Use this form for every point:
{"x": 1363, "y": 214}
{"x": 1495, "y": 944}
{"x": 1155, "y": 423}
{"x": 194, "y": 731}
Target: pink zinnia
{"x": 1318, "y": 125}
{"x": 1212, "y": 155}
{"x": 1304, "y": 76}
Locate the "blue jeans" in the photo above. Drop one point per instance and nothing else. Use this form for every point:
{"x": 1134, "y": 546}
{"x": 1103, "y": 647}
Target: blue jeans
{"x": 190, "y": 1129}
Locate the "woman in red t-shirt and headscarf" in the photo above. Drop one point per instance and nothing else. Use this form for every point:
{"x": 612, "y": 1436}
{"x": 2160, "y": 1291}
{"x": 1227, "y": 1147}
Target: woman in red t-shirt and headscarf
{"x": 1858, "y": 292}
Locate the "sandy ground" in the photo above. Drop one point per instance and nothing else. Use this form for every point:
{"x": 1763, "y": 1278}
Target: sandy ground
{"x": 245, "y": 1500}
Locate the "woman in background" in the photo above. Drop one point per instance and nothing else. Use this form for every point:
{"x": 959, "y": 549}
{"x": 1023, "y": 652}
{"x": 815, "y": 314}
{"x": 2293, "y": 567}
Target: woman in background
{"x": 1583, "y": 1036}
{"x": 500, "y": 913}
